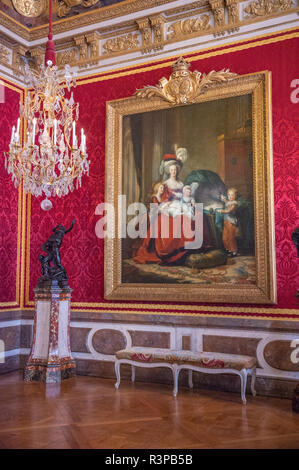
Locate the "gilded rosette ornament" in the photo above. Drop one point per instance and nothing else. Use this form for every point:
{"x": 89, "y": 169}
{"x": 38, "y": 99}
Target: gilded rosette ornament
{"x": 30, "y": 8}
{"x": 183, "y": 86}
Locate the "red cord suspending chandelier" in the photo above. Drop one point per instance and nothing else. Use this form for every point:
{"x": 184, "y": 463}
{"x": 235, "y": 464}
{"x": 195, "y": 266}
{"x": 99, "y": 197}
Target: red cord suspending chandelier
{"x": 50, "y": 47}
{"x": 50, "y": 160}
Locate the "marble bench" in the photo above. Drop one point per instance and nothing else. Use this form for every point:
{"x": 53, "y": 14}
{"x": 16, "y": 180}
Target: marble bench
{"x": 176, "y": 360}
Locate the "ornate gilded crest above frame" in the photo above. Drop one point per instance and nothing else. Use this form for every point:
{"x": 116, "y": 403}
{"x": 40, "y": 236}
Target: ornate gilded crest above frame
{"x": 241, "y": 147}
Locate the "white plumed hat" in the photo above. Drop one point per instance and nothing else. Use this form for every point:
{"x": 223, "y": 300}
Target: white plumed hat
{"x": 182, "y": 154}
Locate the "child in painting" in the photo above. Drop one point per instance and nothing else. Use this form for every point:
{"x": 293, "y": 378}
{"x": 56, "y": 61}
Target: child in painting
{"x": 187, "y": 196}
{"x": 188, "y": 202}
{"x": 159, "y": 192}
{"x": 230, "y": 227}
{"x": 183, "y": 204}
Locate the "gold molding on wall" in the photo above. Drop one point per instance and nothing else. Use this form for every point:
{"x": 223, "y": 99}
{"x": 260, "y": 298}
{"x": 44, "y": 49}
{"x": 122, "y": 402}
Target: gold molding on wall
{"x": 19, "y": 279}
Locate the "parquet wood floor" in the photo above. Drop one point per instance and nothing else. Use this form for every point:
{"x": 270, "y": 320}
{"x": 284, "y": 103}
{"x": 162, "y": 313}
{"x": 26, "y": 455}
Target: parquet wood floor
{"x": 88, "y": 413}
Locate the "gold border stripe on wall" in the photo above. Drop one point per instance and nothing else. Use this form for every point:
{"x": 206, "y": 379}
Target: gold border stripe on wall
{"x": 256, "y": 316}
{"x": 19, "y": 282}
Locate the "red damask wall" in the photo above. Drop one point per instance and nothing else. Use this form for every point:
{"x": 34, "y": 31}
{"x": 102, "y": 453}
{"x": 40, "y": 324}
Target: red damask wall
{"x": 9, "y": 197}
{"x": 83, "y": 252}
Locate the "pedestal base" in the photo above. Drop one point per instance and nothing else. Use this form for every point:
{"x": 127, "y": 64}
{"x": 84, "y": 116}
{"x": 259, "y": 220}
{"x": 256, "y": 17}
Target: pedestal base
{"x": 50, "y": 358}
{"x": 49, "y": 373}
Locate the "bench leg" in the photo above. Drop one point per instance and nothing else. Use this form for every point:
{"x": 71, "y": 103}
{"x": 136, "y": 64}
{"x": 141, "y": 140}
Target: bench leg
{"x": 117, "y": 372}
{"x": 253, "y": 377}
{"x": 243, "y": 377}
{"x": 133, "y": 374}
{"x": 175, "y": 372}
{"x": 190, "y": 381}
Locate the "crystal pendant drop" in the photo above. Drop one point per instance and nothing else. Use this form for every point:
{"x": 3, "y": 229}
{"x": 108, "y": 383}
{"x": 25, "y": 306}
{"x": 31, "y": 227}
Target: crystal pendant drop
{"x": 46, "y": 205}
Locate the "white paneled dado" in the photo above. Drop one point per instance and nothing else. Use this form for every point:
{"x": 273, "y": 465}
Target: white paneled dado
{"x": 176, "y": 335}
{"x": 196, "y": 335}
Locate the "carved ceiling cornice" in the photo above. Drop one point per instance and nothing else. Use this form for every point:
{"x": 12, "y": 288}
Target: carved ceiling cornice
{"x": 86, "y": 19}
{"x": 146, "y": 34}
{"x": 15, "y": 27}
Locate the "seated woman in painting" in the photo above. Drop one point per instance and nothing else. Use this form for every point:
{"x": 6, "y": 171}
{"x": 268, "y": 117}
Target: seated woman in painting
{"x": 172, "y": 214}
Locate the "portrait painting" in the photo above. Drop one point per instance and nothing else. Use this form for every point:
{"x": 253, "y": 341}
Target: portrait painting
{"x": 195, "y": 181}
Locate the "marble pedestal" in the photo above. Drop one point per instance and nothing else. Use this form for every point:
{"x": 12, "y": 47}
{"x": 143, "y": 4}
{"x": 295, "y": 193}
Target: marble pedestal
{"x": 50, "y": 358}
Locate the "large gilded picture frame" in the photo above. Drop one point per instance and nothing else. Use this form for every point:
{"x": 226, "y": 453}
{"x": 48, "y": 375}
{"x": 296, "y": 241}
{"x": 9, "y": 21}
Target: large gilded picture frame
{"x": 193, "y": 138}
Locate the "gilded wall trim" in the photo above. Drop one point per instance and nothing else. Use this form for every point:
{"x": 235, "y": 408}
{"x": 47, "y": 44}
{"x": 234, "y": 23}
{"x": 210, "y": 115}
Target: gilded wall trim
{"x": 21, "y": 214}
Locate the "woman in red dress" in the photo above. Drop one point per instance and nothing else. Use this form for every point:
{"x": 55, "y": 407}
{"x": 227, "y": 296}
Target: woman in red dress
{"x": 169, "y": 247}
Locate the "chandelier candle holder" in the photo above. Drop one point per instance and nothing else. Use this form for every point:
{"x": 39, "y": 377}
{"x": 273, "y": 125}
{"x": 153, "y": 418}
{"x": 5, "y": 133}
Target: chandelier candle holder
{"x": 50, "y": 161}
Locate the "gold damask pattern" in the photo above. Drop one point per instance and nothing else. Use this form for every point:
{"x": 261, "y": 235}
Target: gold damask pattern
{"x": 184, "y": 86}
{"x": 266, "y": 7}
{"x": 30, "y": 8}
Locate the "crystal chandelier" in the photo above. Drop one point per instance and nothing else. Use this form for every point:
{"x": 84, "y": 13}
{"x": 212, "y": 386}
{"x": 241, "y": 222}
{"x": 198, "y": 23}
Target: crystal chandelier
{"x": 50, "y": 161}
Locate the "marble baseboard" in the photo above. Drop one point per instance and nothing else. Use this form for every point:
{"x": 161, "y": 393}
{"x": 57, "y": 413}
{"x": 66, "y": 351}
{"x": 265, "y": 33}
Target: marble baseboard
{"x": 11, "y": 364}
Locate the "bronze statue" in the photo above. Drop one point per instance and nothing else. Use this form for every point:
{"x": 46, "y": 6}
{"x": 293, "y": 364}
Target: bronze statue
{"x": 53, "y": 273}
